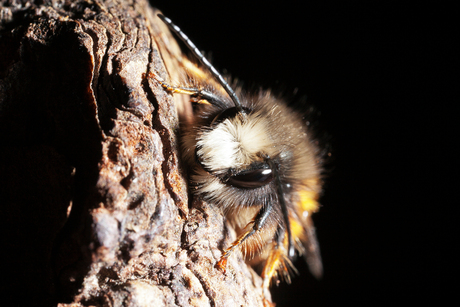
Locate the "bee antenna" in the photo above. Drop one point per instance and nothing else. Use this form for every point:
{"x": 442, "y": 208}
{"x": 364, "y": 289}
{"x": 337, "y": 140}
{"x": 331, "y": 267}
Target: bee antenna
{"x": 204, "y": 61}
{"x": 284, "y": 209}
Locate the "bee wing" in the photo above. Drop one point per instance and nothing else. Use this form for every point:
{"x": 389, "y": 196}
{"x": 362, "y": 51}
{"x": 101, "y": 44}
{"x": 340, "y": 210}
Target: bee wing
{"x": 312, "y": 253}
{"x": 305, "y": 205}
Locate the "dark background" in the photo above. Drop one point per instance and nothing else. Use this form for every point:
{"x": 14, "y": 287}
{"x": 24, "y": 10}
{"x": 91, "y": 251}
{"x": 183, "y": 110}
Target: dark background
{"x": 381, "y": 75}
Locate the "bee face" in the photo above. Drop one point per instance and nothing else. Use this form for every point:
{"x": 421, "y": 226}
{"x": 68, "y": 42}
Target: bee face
{"x": 253, "y": 157}
{"x": 231, "y": 153}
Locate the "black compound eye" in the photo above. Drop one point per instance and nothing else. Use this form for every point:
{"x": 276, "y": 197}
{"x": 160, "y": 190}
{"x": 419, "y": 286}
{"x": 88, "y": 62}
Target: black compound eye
{"x": 251, "y": 179}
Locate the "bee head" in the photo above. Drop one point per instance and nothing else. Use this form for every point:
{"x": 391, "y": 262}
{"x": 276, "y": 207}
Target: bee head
{"x": 244, "y": 158}
{"x": 235, "y": 153}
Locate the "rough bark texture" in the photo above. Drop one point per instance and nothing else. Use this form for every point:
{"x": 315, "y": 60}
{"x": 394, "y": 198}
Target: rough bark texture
{"x": 92, "y": 195}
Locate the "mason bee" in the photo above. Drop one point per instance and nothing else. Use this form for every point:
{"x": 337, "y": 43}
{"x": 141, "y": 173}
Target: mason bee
{"x": 254, "y": 157}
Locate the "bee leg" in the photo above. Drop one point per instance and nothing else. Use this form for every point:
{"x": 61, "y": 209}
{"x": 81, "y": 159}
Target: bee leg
{"x": 277, "y": 263}
{"x": 277, "y": 260}
{"x": 274, "y": 263}
{"x": 258, "y": 223}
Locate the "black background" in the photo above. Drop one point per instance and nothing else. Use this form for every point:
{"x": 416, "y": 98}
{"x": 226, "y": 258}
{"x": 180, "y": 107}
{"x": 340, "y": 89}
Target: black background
{"x": 380, "y": 72}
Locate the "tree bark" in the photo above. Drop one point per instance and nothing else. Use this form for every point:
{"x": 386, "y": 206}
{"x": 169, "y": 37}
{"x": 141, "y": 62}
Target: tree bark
{"x": 92, "y": 191}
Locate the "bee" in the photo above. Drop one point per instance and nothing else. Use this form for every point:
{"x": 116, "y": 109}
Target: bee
{"x": 254, "y": 157}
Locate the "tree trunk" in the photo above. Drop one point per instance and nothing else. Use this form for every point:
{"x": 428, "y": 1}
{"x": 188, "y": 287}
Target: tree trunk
{"x": 93, "y": 195}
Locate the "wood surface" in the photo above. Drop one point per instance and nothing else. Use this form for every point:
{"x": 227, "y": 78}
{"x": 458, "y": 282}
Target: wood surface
{"x": 94, "y": 199}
